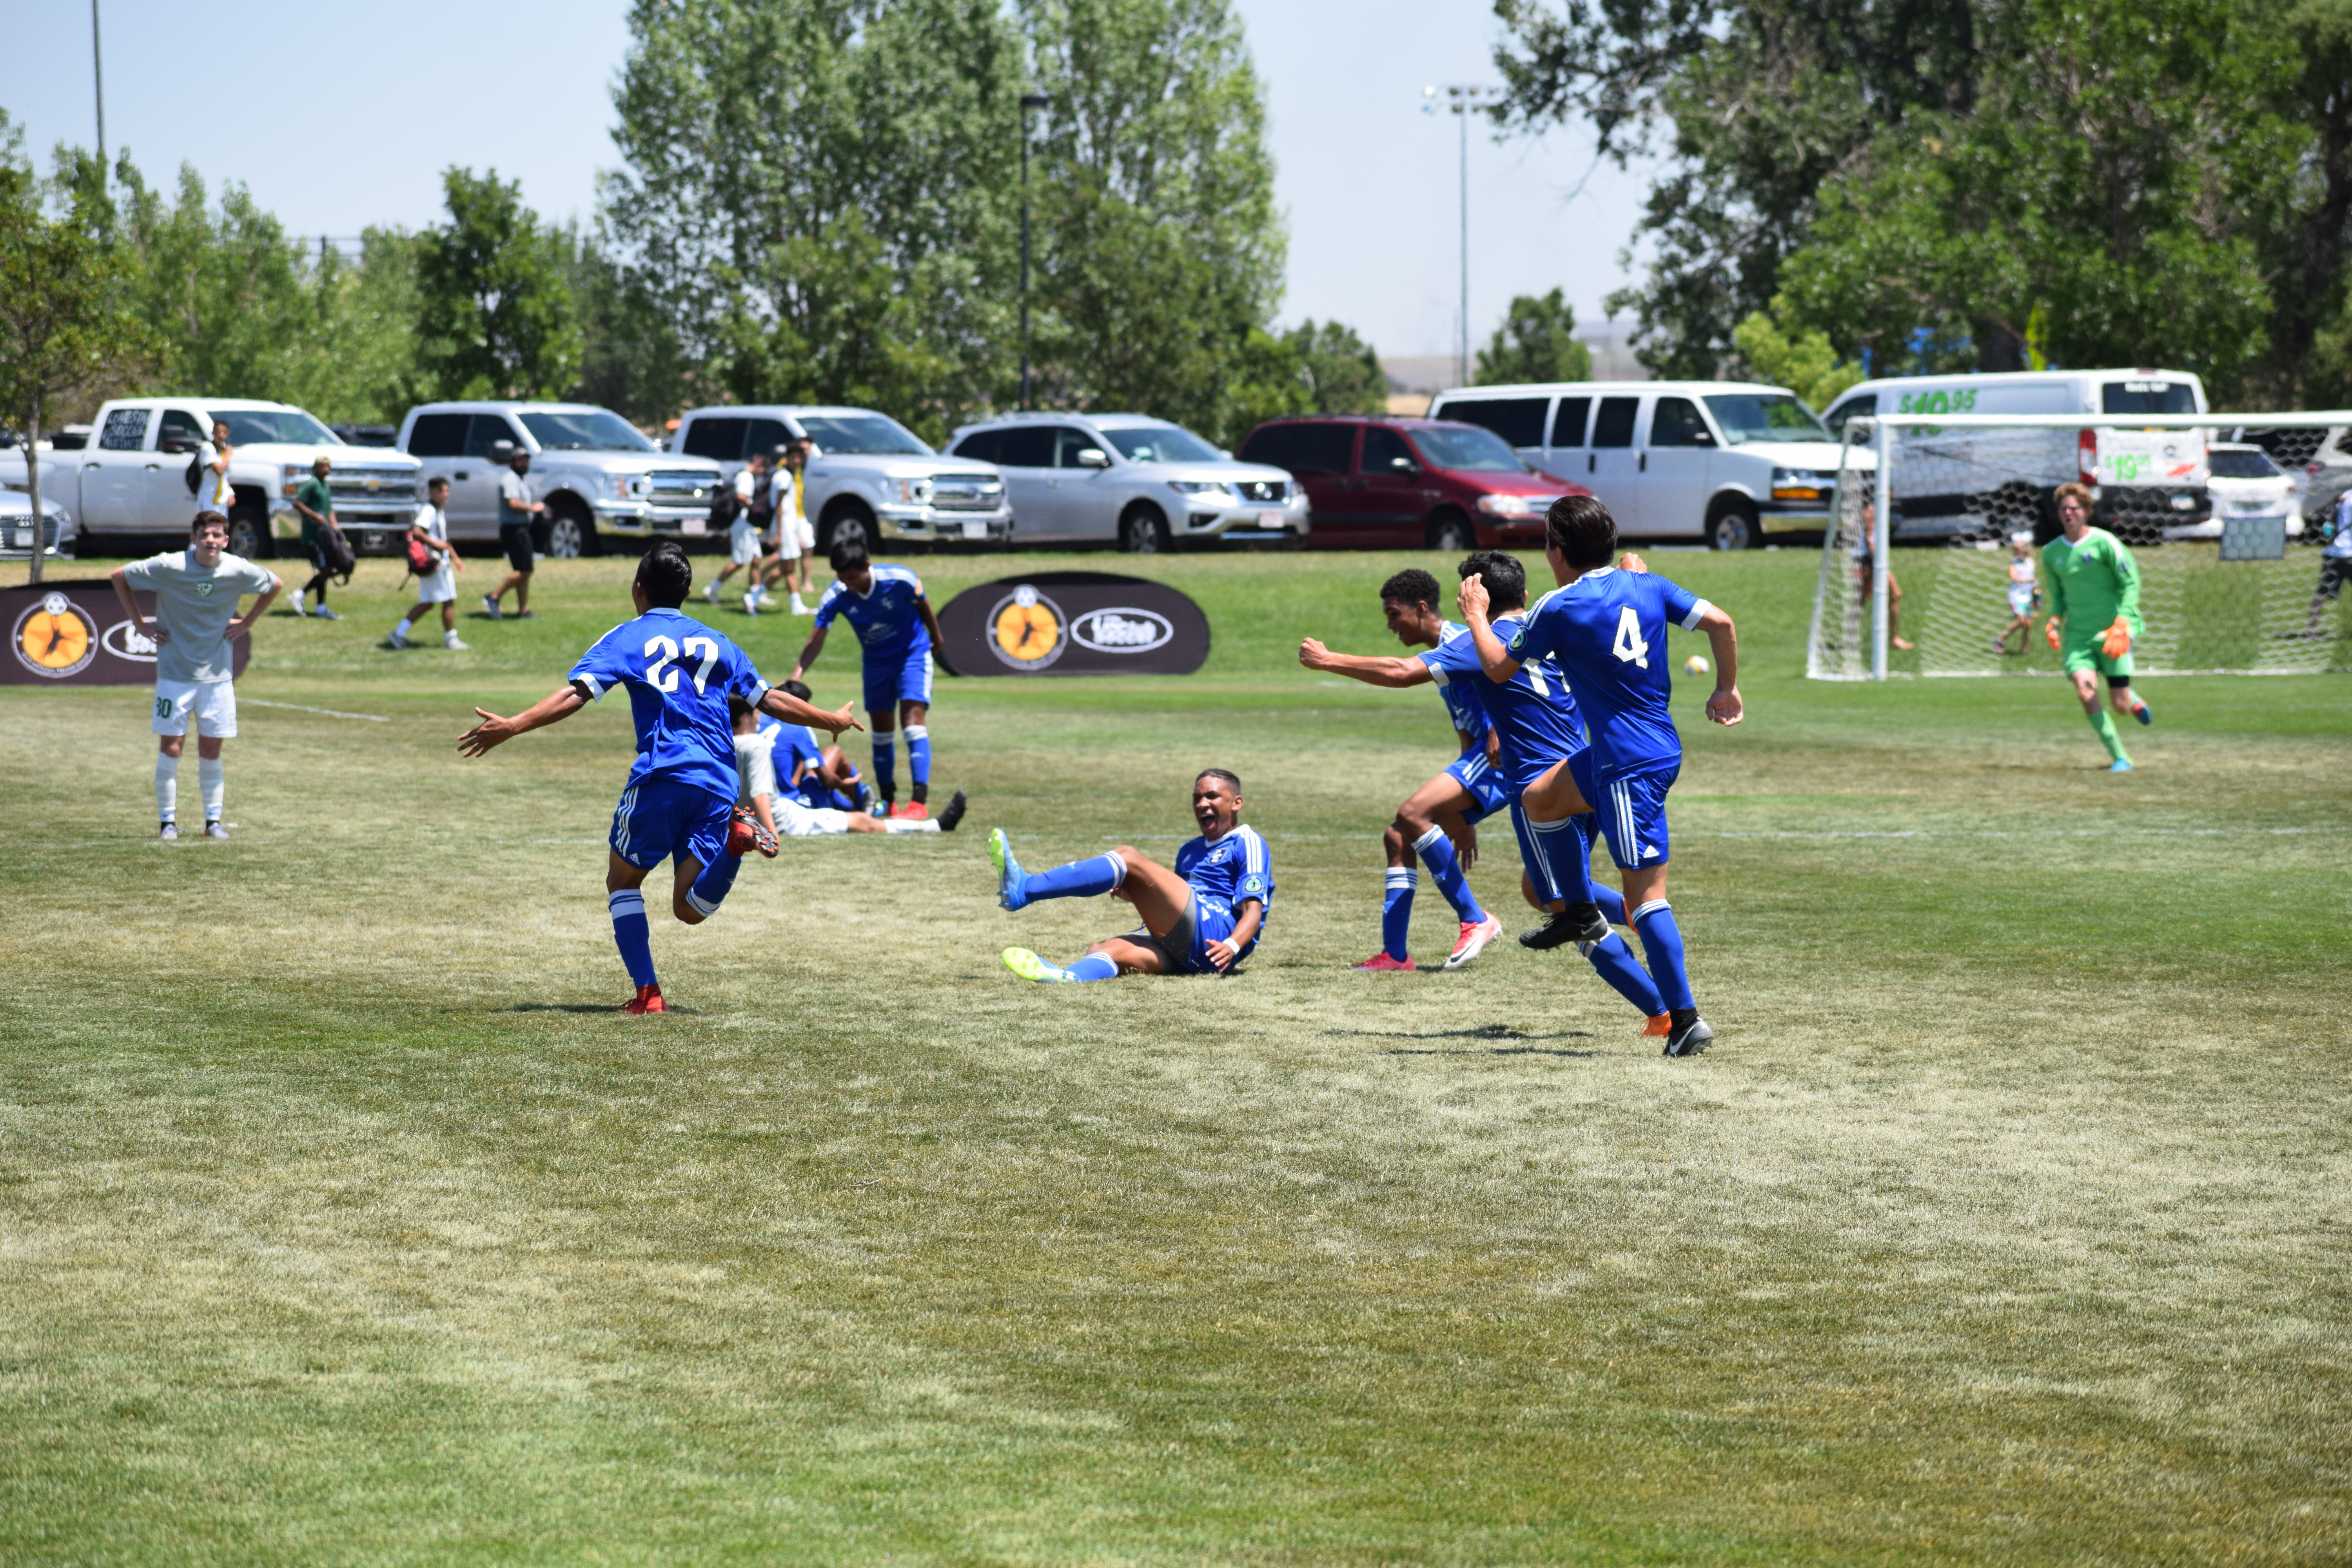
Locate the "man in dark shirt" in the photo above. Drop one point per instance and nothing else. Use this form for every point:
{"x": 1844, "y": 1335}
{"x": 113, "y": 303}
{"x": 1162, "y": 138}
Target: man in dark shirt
{"x": 316, "y": 502}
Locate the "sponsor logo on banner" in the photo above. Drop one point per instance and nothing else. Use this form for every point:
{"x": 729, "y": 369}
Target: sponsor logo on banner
{"x": 1072, "y": 623}
{"x": 1026, "y": 629}
{"x": 1122, "y": 629}
{"x": 54, "y": 638}
{"x": 124, "y": 640}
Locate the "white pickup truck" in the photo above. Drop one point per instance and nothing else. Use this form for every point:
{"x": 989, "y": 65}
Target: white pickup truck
{"x": 129, "y": 485}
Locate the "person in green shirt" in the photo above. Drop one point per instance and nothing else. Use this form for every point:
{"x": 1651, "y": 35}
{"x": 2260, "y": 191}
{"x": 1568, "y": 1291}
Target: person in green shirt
{"x": 2094, "y": 596}
{"x": 316, "y": 502}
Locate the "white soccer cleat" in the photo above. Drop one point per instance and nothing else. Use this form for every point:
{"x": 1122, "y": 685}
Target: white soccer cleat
{"x": 215, "y": 830}
{"x": 170, "y": 833}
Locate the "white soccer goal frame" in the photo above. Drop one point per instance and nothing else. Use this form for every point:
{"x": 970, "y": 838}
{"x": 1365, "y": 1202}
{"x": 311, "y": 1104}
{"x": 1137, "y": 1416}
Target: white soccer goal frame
{"x": 1880, "y": 431}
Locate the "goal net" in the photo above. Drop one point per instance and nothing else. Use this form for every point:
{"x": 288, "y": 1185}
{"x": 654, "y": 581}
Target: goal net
{"x": 2231, "y": 565}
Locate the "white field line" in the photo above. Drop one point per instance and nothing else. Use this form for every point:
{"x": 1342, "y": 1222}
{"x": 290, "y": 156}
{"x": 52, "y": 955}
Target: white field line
{"x": 330, "y": 712}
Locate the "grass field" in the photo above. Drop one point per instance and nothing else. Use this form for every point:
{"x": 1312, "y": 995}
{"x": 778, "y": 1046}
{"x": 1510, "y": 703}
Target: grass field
{"x": 342, "y": 1221}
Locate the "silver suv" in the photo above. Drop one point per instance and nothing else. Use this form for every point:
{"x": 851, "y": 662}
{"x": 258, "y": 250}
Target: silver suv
{"x": 1129, "y": 479}
{"x": 868, "y": 474}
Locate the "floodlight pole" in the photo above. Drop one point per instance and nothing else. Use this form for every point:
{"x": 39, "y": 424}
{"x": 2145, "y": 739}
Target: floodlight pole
{"x": 97, "y": 82}
{"x": 1461, "y": 100}
{"x": 1882, "y": 530}
{"x": 1029, "y": 100}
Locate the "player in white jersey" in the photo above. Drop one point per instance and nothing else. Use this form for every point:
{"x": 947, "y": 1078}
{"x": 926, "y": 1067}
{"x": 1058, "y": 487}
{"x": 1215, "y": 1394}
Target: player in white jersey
{"x": 194, "y": 630}
{"x": 784, "y": 814}
{"x": 744, "y": 533}
{"x": 437, "y": 583}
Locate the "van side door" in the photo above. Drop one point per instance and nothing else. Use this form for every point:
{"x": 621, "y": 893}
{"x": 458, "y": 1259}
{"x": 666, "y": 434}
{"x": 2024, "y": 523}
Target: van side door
{"x": 1674, "y": 468}
{"x": 1611, "y": 467}
{"x": 1563, "y": 455}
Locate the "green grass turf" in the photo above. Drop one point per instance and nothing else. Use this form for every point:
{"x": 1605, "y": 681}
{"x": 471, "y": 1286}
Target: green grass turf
{"x": 341, "y": 1222}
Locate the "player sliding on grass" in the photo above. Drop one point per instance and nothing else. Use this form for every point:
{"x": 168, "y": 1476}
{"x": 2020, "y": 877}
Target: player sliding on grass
{"x": 2094, "y": 593}
{"x": 680, "y": 804}
{"x": 1202, "y": 918}
{"x": 1605, "y": 629}
{"x": 896, "y": 630}
{"x": 1443, "y": 812}
{"x": 782, "y": 811}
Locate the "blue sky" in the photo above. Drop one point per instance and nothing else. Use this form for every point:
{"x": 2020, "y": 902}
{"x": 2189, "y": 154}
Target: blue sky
{"x": 339, "y": 116}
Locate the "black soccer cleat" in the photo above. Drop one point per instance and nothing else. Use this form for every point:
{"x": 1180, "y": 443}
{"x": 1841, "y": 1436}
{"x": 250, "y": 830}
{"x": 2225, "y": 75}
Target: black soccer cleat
{"x": 1578, "y": 922}
{"x": 951, "y": 813}
{"x": 1687, "y": 1034}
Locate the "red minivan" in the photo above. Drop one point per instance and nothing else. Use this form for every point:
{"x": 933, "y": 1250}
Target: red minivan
{"x": 1376, "y": 482}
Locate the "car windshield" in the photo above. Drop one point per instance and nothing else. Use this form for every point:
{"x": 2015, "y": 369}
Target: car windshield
{"x": 1764, "y": 416}
{"x": 2148, "y": 397}
{"x": 1161, "y": 444}
{"x": 1467, "y": 451}
{"x": 592, "y": 430}
{"x": 872, "y": 434}
{"x": 2243, "y": 466}
{"x": 290, "y": 425}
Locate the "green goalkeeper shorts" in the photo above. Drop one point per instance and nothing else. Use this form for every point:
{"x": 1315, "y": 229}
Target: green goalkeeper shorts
{"x": 2090, "y": 657}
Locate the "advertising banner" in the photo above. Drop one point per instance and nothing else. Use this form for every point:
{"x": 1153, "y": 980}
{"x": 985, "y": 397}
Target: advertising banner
{"x": 75, "y": 634}
{"x": 1073, "y": 623}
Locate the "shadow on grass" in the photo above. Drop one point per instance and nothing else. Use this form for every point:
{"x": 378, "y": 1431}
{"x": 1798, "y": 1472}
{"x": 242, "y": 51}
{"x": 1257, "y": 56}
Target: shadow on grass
{"x": 1483, "y": 1032}
{"x": 587, "y": 1007}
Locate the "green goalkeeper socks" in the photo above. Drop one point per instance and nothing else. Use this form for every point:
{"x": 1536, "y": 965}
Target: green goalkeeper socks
{"x": 2105, "y": 726}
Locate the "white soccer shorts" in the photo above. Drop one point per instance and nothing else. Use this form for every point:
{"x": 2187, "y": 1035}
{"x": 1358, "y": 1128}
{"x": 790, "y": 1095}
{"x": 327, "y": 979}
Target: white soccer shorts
{"x": 794, "y": 820}
{"x": 438, "y": 586}
{"x": 212, "y": 702}
{"x": 742, "y": 543}
{"x": 795, "y": 537}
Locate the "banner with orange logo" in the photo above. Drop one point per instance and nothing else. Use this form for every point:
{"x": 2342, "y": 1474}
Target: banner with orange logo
{"x": 1073, "y": 623}
{"x": 75, "y": 634}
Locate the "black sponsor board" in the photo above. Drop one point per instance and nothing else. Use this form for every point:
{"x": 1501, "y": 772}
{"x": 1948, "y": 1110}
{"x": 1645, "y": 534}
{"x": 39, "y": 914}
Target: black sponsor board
{"x": 1073, "y": 623}
{"x": 75, "y": 634}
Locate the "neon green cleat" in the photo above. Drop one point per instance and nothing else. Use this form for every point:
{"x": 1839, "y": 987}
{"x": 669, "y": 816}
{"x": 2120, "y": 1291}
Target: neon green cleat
{"x": 1029, "y": 967}
{"x": 1012, "y": 882}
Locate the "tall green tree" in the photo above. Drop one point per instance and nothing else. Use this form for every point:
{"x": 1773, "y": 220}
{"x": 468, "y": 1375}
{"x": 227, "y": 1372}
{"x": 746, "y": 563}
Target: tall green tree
{"x": 494, "y": 313}
{"x": 1804, "y": 362}
{"x": 1310, "y": 369}
{"x": 1537, "y": 341}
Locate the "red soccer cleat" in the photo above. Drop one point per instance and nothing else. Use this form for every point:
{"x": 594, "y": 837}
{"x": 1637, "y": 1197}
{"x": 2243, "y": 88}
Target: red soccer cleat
{"x": 1659, "y": 1027}
{"x": 648, "y": 999}
{"x": 1382, "y": 964}
{"x": 913, "y": 811}
{"x": 1476, "y": 935}
{"x": 745, "y": 834}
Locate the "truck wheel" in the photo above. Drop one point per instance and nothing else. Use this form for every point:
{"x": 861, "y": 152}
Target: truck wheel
{"x": 566, "y": 516}
{"x": 1143, "y": 531}
{"x": 847, "y": 519}
{"x": 1450, "y": 532}
{"x": 560, "y": 537}
{"x": 1731, "y": 524}
{"x": 248, "y": 532}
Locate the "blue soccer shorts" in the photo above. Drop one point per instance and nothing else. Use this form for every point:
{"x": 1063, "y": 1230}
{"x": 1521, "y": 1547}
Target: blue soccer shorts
{"x": 1632, "y": 812}
{"x": 1538, "y": 869}
{"x": 1185, "y": 949}
{"x": 1483, "y": 781}
{"x": 893, "y": 678}
{"x": 658, "y": 819}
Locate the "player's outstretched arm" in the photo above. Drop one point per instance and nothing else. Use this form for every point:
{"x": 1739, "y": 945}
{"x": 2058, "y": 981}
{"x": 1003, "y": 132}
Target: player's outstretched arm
{"x": 494, "y": 730}
{"x": 1723, "y": 705}
{"x": 1222, "y": 951}
{"x": 809, "y": 651}
{"x": 1370, "y": 670}
{"x": 793, "y": 710}
{"x": 1499, "y": 664}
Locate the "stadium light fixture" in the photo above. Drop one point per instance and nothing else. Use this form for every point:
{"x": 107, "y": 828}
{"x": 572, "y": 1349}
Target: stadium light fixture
{"x": 1461, "y": 100}
{"x": 1029, "y": 100}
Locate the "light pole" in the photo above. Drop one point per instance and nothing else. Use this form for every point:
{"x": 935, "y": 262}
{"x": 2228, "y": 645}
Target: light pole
{"x": 1029, "y": 100}
{"x": 97, "y": 81}
{"x": 1461, "y": 100}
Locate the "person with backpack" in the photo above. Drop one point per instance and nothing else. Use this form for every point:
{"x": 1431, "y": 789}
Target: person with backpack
{"x": 434, "y": 564}
{"x": 208, "y": 484}
{"x": 750, "y": 491}
{"x": 329, "y": 552}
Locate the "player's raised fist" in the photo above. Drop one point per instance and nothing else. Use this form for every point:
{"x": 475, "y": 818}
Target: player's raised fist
{"x": 1311, "y": 653}
{"x": 1629, "y": 562}
{"x": 1725, "y": 707}
{"x": 1473, "y": 597}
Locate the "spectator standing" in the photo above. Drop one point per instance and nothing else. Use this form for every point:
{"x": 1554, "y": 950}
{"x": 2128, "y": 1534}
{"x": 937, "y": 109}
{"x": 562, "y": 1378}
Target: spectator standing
{"x": 437, "y": 586}
{"x": 213, "y": 491}
{"x": 1864, "y": 562}
{"x": 744, "y": 533}
{"x": 316, "y": 502}
{"x": 795, "y": 540}
{"x": 517, "y": 513}
{"x": 2335, "y": 561}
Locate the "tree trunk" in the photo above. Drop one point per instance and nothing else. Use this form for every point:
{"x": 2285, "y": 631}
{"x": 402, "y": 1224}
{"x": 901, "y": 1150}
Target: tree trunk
{"x": 33, "y": 482}
{"x": 1997, "y": 348}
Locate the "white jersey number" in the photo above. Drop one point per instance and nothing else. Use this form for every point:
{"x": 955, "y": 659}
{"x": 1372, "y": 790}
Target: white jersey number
{"x": 1536, "y": 680}
{"x": 661, "y": 676}
{"x": 1629, "y": 644}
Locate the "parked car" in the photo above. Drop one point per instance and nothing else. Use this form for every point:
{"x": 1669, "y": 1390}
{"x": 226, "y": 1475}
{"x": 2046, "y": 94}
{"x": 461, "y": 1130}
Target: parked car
{"x": 2245, "y": 482}
{"x": 868, "y": 474}
{"x": 1135, "y": 481}
{"x": 2324, "y": 459}
{"x": 130, "y": 482}
{"x": 2146, "y": 482}
{"x": 602, "y": 479}
{"x": 16, "y": 526}
{"x": 1384, "y": 483}
{"x": 1725, "y": 461}
{"x": 368, "y": 435}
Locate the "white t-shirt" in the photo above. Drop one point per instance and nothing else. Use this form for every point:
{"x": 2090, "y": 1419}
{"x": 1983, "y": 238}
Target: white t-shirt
{"x": 784, "y": 495}
{"x": 213, "y": 491}
{"x": 744, "y": 487}
{"x": 433, "y": 521}
{"x": 2339, "y": 543}
{"x": 755, "y": 767}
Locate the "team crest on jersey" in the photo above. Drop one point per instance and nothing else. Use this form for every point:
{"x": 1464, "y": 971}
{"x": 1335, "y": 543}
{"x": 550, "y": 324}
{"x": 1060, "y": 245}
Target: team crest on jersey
{"x": 56, "y": 638}
{"x": 205, "y": 589}
{"x": 1026, "y": 629}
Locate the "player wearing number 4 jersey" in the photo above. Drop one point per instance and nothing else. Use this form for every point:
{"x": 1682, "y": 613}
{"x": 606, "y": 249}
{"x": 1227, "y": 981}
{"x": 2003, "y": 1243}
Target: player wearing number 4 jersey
{"x": 1606, "y": 630}
{"x": 679, "y": 805}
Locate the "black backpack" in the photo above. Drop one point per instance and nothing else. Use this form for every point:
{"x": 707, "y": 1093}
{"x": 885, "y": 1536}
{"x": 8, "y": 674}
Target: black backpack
{"x": 724, "y": 506}
{"x": 196, "y": 470}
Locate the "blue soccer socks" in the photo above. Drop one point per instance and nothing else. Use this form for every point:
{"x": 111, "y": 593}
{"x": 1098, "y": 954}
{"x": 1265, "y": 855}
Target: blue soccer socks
{"x": 1093, "y": 966}
{"x": 632, "y": 935}
{"x": 1436, "y": 852}
{"x": 918, "y": 755}
{"x": 886, "y": 763}
{"x": 1396, "y": 911}
{"x": 1611, "y": 902}
{"x": 1661, "y": 942}
{"x": 1616, "y": 964}
{"x": 711, "y": 884}
{"x": 1562, "y": 845}
{"x": 1078, "y": 879}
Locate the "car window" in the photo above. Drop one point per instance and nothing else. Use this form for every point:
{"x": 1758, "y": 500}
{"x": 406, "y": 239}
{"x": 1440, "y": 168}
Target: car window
{"x": 721, "y": 439}
{"x": 1520, "y": 421}
{"x": 181, "y": 425}
{"x": 1271, "y": 445}
{"x": 1026, "y": 446}
{"x": 1613, "y": 424}
{"x": 2148, "y": 397}
{"x": 1764, "y": 416}
{"x": 1305, "y": 448}
{"x": 980, "y": 445}
{"x": 437, "y": 434}
{"x": 1675, "y": 422}
{"x": 1567, "y": 424}
{"x": 1846, "y": 413}
{"x": 1068, "y": 442}
{"x": 590, "y": 430}
{"x": 1382, "y": 447}
{"x": 1468, "y": 451}
{"x": 489, "y": 430}
{"x": 769, "y": 436}
{"x": 290, "y": 426}
{"x": 872, "y": 434}
{"x": 1161, "y": 444}
{"x": 2243, "y": 466}
{"x": 126, "y": 430}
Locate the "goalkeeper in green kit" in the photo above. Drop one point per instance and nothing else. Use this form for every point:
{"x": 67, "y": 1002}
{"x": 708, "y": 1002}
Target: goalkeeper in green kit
{"x": 2095, "y": 591}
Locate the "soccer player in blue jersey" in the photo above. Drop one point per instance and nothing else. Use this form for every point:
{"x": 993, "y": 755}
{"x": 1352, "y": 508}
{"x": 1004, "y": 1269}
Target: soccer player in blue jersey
{"x": 1606, "y": 630}
{"x": 1202, "y": 918}
{"x": 680, "y": 804}
{"x": 884, "y": 606}
{"x": 813, "y": 772}
{"x": 1443, "y": 812}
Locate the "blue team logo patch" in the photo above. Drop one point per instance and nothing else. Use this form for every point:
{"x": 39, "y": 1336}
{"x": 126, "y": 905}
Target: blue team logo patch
{"x": 1253, "y": 884}
{"x": 1517, "y": 637}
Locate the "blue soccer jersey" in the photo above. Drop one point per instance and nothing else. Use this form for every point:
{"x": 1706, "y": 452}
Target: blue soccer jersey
{"x": 679, "y": 674}
{"x": 1226, "y": 872}
{"x": 1464, "y": 706}
{"x": 1533, "y": 714}
{"x": 1608, "y": 631}
{"x": 885, "y": 618}
{"x": 793, "y": 744}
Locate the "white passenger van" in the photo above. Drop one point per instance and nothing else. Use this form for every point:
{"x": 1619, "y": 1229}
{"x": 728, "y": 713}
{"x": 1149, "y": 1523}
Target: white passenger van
{"x": 1727, "y": 461}
{"x": 2148, "y": 483}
